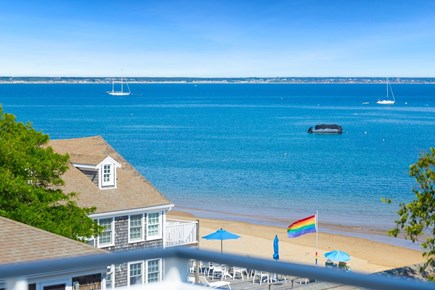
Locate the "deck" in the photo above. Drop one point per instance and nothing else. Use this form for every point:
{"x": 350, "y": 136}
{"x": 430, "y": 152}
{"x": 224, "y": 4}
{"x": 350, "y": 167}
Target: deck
{"x": 281, "y": 284}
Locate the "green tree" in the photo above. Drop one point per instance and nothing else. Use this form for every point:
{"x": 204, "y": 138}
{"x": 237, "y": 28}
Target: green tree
{"x": 30, "y": 180}
{"x": 417, "y": 218}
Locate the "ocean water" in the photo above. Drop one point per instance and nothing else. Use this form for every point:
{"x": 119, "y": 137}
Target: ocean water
{"x": 242, "y": 151}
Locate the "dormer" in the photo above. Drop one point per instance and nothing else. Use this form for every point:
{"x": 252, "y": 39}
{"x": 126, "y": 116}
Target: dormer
{"x": 107, "y": 173}
{"x": 103, "y": 174}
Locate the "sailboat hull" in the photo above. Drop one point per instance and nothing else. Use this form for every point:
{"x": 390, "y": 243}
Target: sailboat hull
{"x": 118, "y": 93}
{"x": 385, "y": 102}
{"x": 388, "y": 101}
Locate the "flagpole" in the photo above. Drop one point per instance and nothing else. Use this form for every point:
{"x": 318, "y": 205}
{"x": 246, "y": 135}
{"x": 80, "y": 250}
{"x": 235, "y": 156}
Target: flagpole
{"x": 317, "y": 234}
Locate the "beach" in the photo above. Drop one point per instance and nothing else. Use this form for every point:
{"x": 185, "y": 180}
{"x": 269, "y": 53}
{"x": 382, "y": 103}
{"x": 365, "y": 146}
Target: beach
{"x": 257, "y": 241}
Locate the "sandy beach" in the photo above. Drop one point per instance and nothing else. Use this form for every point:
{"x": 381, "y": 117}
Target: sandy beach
{"x": 257, "y": 241}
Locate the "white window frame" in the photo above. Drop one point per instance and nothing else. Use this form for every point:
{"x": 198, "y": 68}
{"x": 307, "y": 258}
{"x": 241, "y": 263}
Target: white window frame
{"x": 141, "y": 238}
{"x": 142, "y": 271}
{"x": 111, "y": 272}
{"x": 111, "y": 175}
{"x": 159, "y": 272}
{"x": 159, "y": 234}
{"x": 112, "y": 234}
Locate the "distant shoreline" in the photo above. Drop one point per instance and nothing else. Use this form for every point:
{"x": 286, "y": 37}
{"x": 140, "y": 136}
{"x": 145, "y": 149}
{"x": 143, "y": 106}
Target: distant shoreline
{"x": 189, "y": 80}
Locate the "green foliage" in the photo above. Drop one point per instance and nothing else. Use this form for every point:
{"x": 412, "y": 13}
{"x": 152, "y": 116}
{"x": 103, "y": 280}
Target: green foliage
{"x": 30, "y": 177}
{"x": 417, "y": 218}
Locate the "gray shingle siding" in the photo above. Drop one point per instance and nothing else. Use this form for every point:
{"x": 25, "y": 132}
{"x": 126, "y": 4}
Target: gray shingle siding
{"x": 121, "y": 244}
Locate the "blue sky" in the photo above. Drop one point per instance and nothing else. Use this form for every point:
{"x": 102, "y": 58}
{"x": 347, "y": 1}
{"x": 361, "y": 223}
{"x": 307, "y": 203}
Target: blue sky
{"x": 218, "y": 38}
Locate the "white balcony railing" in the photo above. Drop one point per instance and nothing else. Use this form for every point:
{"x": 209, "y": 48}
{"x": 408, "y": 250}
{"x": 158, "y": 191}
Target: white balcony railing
{"x": 179, "y": 232}
{"x": 176, "y": 259}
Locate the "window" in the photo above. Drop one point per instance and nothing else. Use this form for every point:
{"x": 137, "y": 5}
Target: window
{"x": 153, "y": 271}
{"x": 135, "y": 273}
{"x": 108, "y": 173}
{"x": 135, "y": 228}
{"x": 138, "y": 276}
{"x": 153, "y": 226}
{"x": 109, "y": 277}
{"x": 106, "y": 236}
{"x": 109, "y": 281}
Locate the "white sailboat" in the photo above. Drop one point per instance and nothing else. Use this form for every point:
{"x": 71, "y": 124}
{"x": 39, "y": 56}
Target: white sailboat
{"x": 121, "y": 92}
{"x": 387, "y": 100}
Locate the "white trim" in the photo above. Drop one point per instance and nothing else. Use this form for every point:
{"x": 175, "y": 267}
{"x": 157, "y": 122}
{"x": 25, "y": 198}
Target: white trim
{"x": 110, "y": 270}
{"x": 131, "y": 211}
{"x": 142, "y": 220}
{"x": 67, "y": 281}
{"x": 85, "y": 166}
{"x": 107, "y": 160}
{"x": 164, "y": 229}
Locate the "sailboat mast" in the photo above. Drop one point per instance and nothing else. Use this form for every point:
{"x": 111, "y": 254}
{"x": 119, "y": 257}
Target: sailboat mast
{"x": 387, "y": 89}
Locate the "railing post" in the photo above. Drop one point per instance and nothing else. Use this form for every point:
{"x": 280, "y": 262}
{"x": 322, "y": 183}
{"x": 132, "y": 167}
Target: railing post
{"x": 197, "y": 262}
{"x": 17, "y": 283}
{"x": 176, "y": 269}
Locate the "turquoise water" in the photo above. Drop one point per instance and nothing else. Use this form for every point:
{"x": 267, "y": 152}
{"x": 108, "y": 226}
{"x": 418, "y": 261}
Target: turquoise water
{"x": 242, "y": 150}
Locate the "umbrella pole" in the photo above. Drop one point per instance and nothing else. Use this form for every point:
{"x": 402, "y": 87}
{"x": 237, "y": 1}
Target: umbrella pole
{"x": 222, "y": 243}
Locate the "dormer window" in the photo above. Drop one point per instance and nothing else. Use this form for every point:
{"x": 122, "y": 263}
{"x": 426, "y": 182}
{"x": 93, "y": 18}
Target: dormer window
{"x": 107, "y": 173}
{"x": 102, "y": 174}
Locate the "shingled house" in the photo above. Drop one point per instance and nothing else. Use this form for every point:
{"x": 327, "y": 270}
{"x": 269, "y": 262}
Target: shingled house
{"x": 131, "y": 210}
{"x": 23, "y": 243}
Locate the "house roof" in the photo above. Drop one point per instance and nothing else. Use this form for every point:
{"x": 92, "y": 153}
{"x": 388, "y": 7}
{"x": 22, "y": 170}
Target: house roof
{"x": 133, "y": 190}
{"x": 23, "y": 243}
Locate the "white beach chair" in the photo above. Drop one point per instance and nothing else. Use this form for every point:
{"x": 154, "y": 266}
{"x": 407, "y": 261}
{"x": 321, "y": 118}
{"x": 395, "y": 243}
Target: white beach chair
{"x": 237, "y": 271}
{"x": 217, "y": 284}
{"x": 261, "y": 275}
{"x": 220, "y": 272}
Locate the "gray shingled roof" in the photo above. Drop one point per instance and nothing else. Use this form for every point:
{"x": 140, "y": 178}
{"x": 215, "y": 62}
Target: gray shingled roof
{"x": 23, "y": 243}
{"x": 133, "y": 190}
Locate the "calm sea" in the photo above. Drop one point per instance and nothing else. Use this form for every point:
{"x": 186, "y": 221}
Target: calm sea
{"x": 242, "y": 151}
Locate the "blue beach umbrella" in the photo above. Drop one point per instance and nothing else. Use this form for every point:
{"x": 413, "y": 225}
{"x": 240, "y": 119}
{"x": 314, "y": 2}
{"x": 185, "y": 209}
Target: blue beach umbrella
{"x": 337, "y": 256}
{"x": 221, "y": 235}
{"x": 275, "y": 248}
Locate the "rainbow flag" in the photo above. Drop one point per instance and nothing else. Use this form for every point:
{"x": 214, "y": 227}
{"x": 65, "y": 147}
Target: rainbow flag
{"x": 302, "y": 227}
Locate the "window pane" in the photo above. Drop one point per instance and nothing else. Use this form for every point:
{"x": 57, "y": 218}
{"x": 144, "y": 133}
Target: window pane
{"x": 106, "y": 236}
{"x": 153, "y": 271}
{"x": 135, "y": 227}
{"x": 153, "y": 230}
{"x": 153, "y": 224}
{"x": 153, "y": 218}
{"x": 106, "y": 174}
{"x": 136, "y": 274}
{"x": 109, "y": 280}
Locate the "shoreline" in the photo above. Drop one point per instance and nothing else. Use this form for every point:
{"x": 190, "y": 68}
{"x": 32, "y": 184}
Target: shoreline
{"x": 367, "y": 256}
{"x": 212, "y": 80}
{"x": 376, "y": 235}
